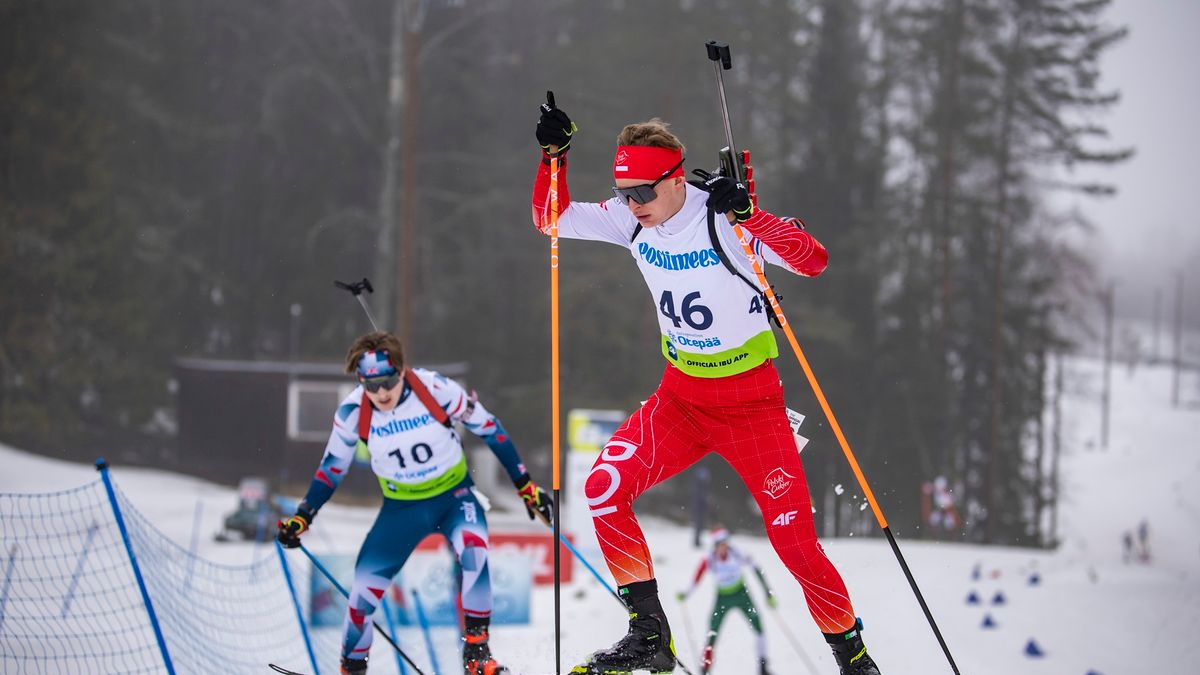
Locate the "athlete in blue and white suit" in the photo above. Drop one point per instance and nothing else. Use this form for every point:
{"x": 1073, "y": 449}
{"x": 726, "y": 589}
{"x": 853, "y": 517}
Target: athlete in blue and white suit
{"x": 422, "y": 471}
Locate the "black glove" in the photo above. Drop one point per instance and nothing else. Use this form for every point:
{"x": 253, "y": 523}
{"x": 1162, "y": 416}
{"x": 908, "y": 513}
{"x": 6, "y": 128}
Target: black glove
{"x": 554, "y": 127}
{"x": 728, "y": 196}
{"x": 537, "y": 501}
{"x": 290, "y": 529}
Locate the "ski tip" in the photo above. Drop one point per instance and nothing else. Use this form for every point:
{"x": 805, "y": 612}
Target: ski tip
{"x": 281, "y": 669}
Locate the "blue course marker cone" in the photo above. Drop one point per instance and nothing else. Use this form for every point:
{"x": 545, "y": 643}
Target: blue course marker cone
{"x": 972, "y": 598}
{"x": 1032, "y": 650}
{"x": 1035, "y": 579}
{"x": 1094, "y": 672}
{"x": 999, "y": 599}
{"x": 988, "y": 622}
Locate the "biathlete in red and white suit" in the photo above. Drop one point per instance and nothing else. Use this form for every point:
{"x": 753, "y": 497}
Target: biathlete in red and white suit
{"x": 720, "y": 392}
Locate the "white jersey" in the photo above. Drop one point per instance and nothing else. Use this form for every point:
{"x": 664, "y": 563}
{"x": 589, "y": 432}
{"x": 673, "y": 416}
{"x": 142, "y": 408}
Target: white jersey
{"x": 413, "y": 454}
{"x": 727, "y": 572}
{"x": 713, "y": 323}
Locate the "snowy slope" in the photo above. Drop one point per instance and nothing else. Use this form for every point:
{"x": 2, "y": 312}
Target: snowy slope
{"x": 1090, "y": 613}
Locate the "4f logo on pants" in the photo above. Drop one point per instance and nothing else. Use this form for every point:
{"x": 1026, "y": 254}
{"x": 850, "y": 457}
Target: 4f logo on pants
{"x": 468, "y": 510}
{"x": 785, "y": 518}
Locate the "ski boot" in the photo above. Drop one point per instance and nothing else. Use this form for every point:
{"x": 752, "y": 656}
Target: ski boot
{"x": 762, "y": 667}
{"x": 354, "y": 666}
{"x": 647, "y": 645}
{"x": 850, "y": 652}
{"x": 477, "y": 656}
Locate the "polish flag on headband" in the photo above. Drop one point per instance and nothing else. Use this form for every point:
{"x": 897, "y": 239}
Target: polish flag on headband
{"x": 644, "y": 162}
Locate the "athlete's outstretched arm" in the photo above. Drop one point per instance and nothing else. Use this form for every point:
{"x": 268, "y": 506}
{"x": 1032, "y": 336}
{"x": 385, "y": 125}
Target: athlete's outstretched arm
{"x": 335, "y": 463}
{"x": 608, "y": 221}
{"x": 786, "y": 243}
{"x": 487, "y": 426}
{"x": 695, "y": 579}
{"x": 339, "y": 452}
{"x": 541, "y": 192}
{"x": 483, "y": 424}
{"x": 762, "y": 579}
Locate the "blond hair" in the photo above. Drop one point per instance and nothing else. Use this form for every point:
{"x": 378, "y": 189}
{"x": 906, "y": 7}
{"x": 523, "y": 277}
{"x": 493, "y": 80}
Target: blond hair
{"x": 653, "y": 133}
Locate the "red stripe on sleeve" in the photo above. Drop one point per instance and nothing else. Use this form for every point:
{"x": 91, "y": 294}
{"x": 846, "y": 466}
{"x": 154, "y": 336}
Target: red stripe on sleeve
{"x": 787, "y": 238}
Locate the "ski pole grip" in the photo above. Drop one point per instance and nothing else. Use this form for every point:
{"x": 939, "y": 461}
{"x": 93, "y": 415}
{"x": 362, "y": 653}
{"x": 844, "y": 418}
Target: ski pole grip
{"x": 719, "y": 51}
{"x": 550, "y": 99}
{"x": 355, "y": 287}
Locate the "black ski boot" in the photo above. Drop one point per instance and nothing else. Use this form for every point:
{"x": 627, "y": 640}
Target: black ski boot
{"x": 354, "y": 666}
{"x": 477, "y": 656}
{"x": 762, "y": 667}
{"x": 647, "y": 645}
{"x": 850, "y": 652}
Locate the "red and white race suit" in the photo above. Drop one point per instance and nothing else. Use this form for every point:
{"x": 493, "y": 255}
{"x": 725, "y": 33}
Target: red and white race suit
{"x": 720, "y": 392}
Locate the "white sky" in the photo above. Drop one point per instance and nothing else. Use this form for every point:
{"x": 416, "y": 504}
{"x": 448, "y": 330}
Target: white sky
{"x": 1151, "y": 230}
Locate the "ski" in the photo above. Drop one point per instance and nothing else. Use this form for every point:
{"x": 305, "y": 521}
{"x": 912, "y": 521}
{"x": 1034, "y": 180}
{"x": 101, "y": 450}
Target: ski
{"x": 285, "y": 671}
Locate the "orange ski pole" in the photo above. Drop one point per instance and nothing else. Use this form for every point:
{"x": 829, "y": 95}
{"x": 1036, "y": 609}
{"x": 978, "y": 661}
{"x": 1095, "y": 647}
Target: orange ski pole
{"x": 555, "y": 414}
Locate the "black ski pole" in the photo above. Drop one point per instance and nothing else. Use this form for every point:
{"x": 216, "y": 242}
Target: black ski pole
{"x": 591, "y": 568}
{"x": 719, "y": 51}
{"x": 356, "y": 288}
{"x": 379, "y": 629}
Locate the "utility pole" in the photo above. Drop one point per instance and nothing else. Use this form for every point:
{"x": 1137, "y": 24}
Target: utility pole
{"x": 1106, "y": 398}
{"x": 1178, "y": 339}
{"x": 1157, "y": 324}
{"x": 406, "y": 273}
{"x": 396, "y": 260}
{"x": 386, "y": 258}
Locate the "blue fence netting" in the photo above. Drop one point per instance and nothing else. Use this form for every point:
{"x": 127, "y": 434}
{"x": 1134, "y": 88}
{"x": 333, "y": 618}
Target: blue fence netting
{"x": 70, "y": 600}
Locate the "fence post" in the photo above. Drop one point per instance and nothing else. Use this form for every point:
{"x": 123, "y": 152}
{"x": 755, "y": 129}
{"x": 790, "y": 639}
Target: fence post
{"x": 425, "y": 629}
{"x": 8, "y": 572}
{"x": 391, "y": 624}
{"x": 287, "y": 575}
{"x": 102, "y": 467}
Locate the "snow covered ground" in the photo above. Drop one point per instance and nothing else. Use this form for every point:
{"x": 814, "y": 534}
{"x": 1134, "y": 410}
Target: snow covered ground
{"x": 1091, "y": 613}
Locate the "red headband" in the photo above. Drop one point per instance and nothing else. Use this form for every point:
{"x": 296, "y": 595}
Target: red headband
{"x": 644, "y": 162}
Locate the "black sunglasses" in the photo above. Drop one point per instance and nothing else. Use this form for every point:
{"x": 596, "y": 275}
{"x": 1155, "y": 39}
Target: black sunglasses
{"x": 644, "y": 193}
{"x": 376, "y": 383}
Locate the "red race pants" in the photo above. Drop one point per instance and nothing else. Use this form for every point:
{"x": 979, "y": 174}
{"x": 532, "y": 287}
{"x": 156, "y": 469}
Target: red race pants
{"x": 743, "y": 419}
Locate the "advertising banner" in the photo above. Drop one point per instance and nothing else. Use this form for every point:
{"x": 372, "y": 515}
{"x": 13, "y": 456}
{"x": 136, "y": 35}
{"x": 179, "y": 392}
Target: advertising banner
{"x": 432, "y": 572}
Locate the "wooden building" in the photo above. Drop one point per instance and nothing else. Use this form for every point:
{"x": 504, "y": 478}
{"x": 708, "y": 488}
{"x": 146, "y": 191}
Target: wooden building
{"x": 265, "y": 418}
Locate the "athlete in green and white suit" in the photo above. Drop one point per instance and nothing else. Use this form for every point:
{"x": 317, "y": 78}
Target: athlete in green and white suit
{"x": 726, "y": 564}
